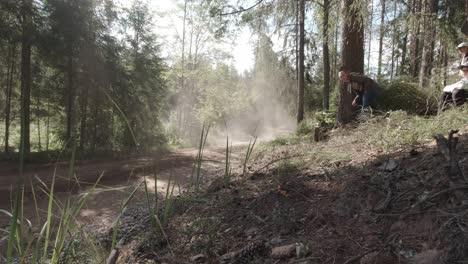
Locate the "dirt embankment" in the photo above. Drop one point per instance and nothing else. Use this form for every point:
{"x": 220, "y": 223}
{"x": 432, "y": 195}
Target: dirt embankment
{"x": 332, "y": 202}
{"x": 364, "y": 207}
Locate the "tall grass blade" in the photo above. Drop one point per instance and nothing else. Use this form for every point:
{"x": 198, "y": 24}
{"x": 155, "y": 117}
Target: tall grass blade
{"x": 124, "y": 117}
{"x": 250, "y": 148}
{"x": 17, "y": 197}
{"x": 122, "y": 208}
{"x": 49, "y": 217}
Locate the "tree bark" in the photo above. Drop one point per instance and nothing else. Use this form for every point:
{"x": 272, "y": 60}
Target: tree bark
{"x": 300, "y": 100}
{"x": 352, "y": 54}
{"x": 370, "y": 36}
{"x": 48, "y": 124}
{"x": 84, "y": 116}
{"x": 38, "y": 130}
{"x": 403, "y": 67}
{"x": 393, "y": 39}
{"x": 26, "y": 75}
{"x": 430, "y": 15}
{"x": 70, "y": 91}
{"x": 415, "y": 51}
{"x": 9, "y": 89}
{"x": 326, "y": 57}
{"x": 381, "y": 37}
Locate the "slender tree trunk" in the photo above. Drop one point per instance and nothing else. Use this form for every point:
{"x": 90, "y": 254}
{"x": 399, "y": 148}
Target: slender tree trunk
{"x": 300, "y": 100}
{"x": 393, "y": 38}
{"x": 26, "y": 75}
{"x": 381, "y": 38}
{"x": 352, "y": 55}
{"x": 9, "y": 89}
{"x": 84, "y": 116}
{"x": 370, "y": 36}
{"x": 415, "y": 39}
{"x": 38, "y": 130}
{"x": 403, "y": 67}
{"x": 335, "y": 48}
{"x": 430, "y": 15}
{"x": 326, "y": 57}
{"x": 296, "y": 42}
{"x": 48, "y": 124}
{"x": 182, "y": 94}
{"x": 96, "y": 120}
{"x": 70, "y": 92}
{"x": 445, "y": 65}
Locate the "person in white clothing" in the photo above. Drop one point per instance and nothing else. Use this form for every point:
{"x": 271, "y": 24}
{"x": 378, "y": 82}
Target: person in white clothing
{"x": 456, "y": 93}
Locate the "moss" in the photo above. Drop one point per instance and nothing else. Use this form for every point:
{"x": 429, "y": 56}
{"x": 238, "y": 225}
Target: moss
{"x": 403, "y": 95}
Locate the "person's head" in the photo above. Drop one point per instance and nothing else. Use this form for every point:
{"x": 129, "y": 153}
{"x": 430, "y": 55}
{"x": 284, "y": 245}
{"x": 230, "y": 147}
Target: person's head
{"x": 343, "y": 74}
{"x": 463, "y": 48}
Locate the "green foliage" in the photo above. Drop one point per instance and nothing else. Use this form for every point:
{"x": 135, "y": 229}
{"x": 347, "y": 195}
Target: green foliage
{"x": 401, "y": 130}
{"x": 317, "y": 120}
{"x": 405, "y": 96}
{"x": 57, "y": 235}
{"x": 90, "y": 62}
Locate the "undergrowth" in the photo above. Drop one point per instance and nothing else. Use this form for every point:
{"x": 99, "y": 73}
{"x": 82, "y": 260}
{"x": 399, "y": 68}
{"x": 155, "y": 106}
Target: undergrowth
{"x": 400, "y": 129}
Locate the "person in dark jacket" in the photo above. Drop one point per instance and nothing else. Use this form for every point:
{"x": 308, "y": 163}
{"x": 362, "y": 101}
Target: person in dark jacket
{"x": 363, "y": 87}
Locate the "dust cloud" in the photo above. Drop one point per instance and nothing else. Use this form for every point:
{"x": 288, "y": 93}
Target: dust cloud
{"x": 265, "y": 119}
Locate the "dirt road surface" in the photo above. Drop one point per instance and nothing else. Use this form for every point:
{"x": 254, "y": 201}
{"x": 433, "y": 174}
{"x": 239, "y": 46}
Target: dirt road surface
{"x": 119, "y": 179}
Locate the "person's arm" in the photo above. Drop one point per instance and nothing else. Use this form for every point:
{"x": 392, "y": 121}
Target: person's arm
{"x": 355, "y": 101}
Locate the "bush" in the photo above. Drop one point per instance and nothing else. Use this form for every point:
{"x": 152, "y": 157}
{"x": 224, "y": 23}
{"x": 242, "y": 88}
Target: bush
{"x": 317, "y": 119}
{"x": 402, "y": 95}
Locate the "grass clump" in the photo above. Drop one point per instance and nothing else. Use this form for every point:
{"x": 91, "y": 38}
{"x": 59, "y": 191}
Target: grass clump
{"x": 405, "y": 96}
{"x": 399, "y": 129}
{"x": 316, "y": 120}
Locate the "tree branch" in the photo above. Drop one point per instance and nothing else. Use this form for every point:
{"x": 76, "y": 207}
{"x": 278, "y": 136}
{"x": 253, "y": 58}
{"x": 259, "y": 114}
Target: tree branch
{"x": 241, "y": 10}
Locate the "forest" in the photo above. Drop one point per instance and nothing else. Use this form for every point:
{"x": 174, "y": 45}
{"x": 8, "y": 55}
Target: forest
{"x": 196, "y": 118}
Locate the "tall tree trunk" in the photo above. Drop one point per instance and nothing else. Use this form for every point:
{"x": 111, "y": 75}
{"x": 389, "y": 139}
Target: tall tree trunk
{"x": 403, "y": 67}
{"x": 39, "y": 130}
{"x": 26, "y": 75}
{"x": 9, "y": 89}
{"x": 381, "y": 38}
{"x": 326, "y": 57}
{"x": 335, "y": 47}
{"x": 48, "y": 124}
{"x": 84, "y": 116}
{"x": 182, "y": 98}
{"x": 300, "y": 99}
{"x": 96, "y": 120}
{"x": 415, "y": 51}
{"x": 430, "y": 16}
{"x": 352, "y": 54}
{"x": 70, "y": 97}
{"x": 370, "y": 36}
{"x": 393, "y": 38}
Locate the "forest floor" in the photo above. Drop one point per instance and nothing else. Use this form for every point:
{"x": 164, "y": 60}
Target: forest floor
{"x": 340, "y": 200}
{"x": 337, "y": 201}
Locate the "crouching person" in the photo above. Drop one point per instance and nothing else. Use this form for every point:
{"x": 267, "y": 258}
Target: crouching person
{"x": 363, "y": 87}
{"x": 456, "y": 93}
